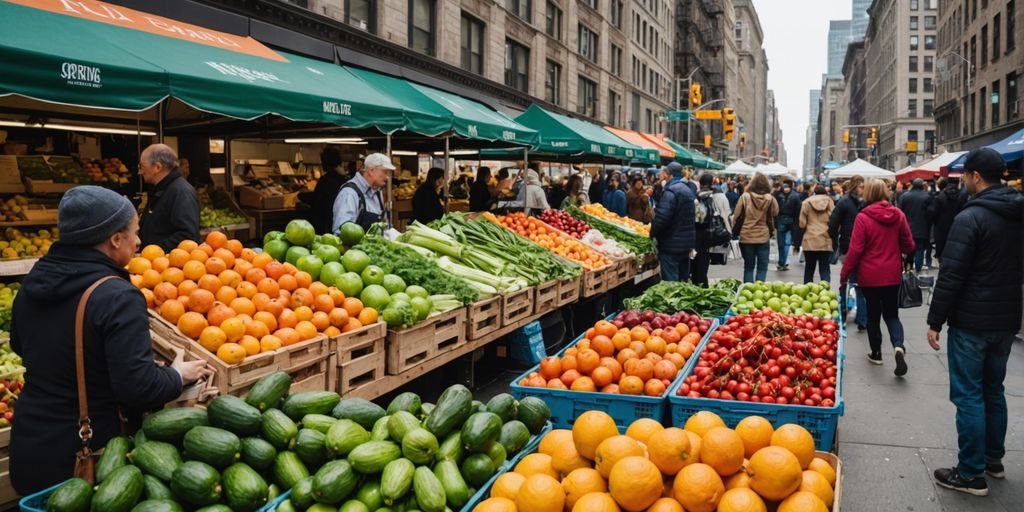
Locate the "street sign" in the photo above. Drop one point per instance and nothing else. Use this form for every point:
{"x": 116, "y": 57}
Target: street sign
{"x": 677, "y": 115}
{"x": 708, "y": 115}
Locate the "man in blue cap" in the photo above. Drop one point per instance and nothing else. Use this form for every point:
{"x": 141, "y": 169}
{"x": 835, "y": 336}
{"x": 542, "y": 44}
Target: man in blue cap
{"x": 674, "y": 226}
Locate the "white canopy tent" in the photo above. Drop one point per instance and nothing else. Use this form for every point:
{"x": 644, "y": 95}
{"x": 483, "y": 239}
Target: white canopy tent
{"x": 739, "y": 167}
{"x": 776, "y": 169}
{"x": 862, "y": 168}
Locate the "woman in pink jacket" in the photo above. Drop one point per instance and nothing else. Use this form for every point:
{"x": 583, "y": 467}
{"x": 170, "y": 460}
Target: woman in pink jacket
{"x": 881, "y": 236}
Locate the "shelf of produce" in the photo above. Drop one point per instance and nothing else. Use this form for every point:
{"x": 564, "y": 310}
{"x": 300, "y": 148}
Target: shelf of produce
{"x": 426, "y": 340}
{"x": 483, "y": 317}
{"x": 226, "y": 228}
{"x": 357, "y": 358}
{"x": 17, "y": 267}
{"x": 596, "y": 282}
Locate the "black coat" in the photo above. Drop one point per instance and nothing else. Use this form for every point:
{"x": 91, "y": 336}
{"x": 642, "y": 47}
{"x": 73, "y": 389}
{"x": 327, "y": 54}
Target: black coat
{"x": 479, "y": 198}
{"x": 673, "y": 225}
{"x": 172, "y": 214}
{"x": 118, "y": 360}
{"x": 321, "y": 212}
{"x": 915, "y": 205}
{"x": 840, "y": 224}
{"x": 943, "y": 210}
{"x": 789, "y": 209}
{"x": 426, "y": 204}
{"x": 979, "y": 283}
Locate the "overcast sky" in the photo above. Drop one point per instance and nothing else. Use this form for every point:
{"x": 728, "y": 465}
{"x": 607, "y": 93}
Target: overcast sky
{"x": 796, "y": 40}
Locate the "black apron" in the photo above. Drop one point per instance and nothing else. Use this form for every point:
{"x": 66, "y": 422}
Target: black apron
{"x": 365, "y": 219}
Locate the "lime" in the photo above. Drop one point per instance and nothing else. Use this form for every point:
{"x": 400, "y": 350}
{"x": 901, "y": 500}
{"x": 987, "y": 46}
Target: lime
{"x": 310, "y": 264}
{"x": 393, "y": 284}
{"x": 355, "y": 260}
{"x": 353, "y": 506}
{"x": 276, "y": 249}
{"x": 351, "y": 234}
{"x": 400, "y": 297}
{"x": 372, "y": 275}
{"x": 350, "y": 284}
{"x": 294, "y": 253}
{"x": 417, "y": 291}
{"x": 375, "y": 296}
{"x": 331, "y": 239}
{"x": 422, "y": 307}
{"x": 331, "y": 272}
{"x": 300, "y": 232}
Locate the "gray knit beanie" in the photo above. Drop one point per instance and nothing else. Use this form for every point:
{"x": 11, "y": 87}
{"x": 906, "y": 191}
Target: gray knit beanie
{"x": 87, "y": 215}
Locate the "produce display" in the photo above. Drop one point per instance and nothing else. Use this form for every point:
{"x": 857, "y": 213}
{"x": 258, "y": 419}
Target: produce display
{"x": 416, "y": 268}
{"x": 637, "y": 353}
{"x": 560, "y": 244}
{"x": 704, "y": 466}
{"x": 16, "y": 244}
{"x": 12, "y": 379}
{"x": 110, "y": 170}
{"x": 407, "y": 190}
{"x": 59, "y": 169}
{"x": 599, "y": 211}
{"x": 212, "y": 217}
{"x": 816, "y": 299}
{"x": 671, "y": 296}
{"x": 629, "y": 240}
{"x": 769, "y": 357}
{"x": 7, "y": 293}
{"x": 13, "y": 209}
{"x": 567, "y": 223}
{"x": 606, "y": 246}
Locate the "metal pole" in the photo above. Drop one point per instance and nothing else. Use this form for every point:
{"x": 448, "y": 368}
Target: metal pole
{"x": 390, "y": 198}
{"x": 447, "y": 139}
{"x": 160, "y": 121}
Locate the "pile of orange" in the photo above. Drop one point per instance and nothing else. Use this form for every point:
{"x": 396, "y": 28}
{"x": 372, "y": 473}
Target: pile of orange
{"x": 612, "y": 360}
{"x": 238, "y": 303}
{"x": 702, "y": 467}
{"x": 549, "y": 238}
{"x": 599, "y": 211}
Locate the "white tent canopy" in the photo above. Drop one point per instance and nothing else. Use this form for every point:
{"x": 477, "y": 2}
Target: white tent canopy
{"x": 775, "y": 169}
{"x": 937, "y": 163}
{"x": 862, "y": 168}
{"x": 739, "y": 167}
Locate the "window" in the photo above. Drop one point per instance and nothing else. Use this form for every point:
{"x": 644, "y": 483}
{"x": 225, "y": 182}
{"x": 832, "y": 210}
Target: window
{"x": 981, "y": 109}
{"x": 974, "y": 10}
{"x": 928, "y": 63}
{"x": 1011, "y": 36}
{"x": 912, "y": 135}
{"x": 616, "y": 58}
{"x": 593, "y": 4}
{"x": 362, "y": 14}
{"x": 472, "y": 44}
{"x": 984, "y": 45}
{"x": 587, "y": 43}
{"x": 649, "y": 115}
{"x": 929, "y": 22}
{"x": 913, "y": 43}
{"x": 553, "y": 82}
{"x": 1012, "y": 103}
{"x": 913, "y": 86}
{"x": 929, "y": 108}
{"x": 517, "y": 66}
{"x": 929, "y": 42}
{"x": 995, "y": 37}
{"x": 931, "y": 5}
{"x": 617, "y": 11}
{"x": 586, "y": 97}
{"x": 995, "y": 103}
{"x": 521, "y": 8}
{"x": 422, "y": 24}
{"x": 912, "y": 108}
{"x": 913, "y": 23}
{"x": 913, "y": 5}
{"x": 913, "y": 63}
{"x": 614, "y": 101}
{"x": 634, "y": 112}
{"x": 971, "y": 114}
{"x": 553, "y": 20}
{"x": 928, "y": 86}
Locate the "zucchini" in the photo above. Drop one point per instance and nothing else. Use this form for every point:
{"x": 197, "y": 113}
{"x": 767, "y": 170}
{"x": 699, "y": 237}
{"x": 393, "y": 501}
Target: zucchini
{"x": 215, "y": 508}
{"x": 396, "y": 480}
{"x": 334, "y": 482}
{"x": 380, "y": 429}
{"x": 319, "y": 422}
{"x": 115, "y": 455}
{"x": 371, "y": 457}
{"x": 196, "y": 483}
{"x": 311, "y": 448}
{"x": 455, "y": 488}
{"x": 139, "y": 438}
{"x": 359, "y": 410}
{"x": 234, "y": 415}
{"x": 302, "y": 493}
{"x": 514, "y": 436}
{"x": 478, "y": 406}
{"x": 534, "y": 413}
{"x": 162, "y": 505}
{"x": 170, "y": 425}
{"x": 75, "y": 495}
{"x": 214, "y": 446}
{"x": 268, "y": 391}
{"x": 288, "y": 469}
{"x": 419, "y": 446}
{"x": 120, "y": 491}
{"x": 409, "y": 402}
{"x": 451, "y": 449}
{"x": 428, "y": 489}
{"x": 505, "y": 406}
{"x": 451, "y": 411}
{"x": 426, "y": 409}
{"x": 278, "y": 429}
{"x": 310, "y": 402}
{"x": 273, "y": 491}
{"x": 258, "y": 453}
{"x": 156, "y": 458}
{"x": 155, "y": 489}
{"x": 244, "y": 488}
{"x": 480, "y": 430}
{"x": 343, "y": 437}
{"x": 401, "y": 423}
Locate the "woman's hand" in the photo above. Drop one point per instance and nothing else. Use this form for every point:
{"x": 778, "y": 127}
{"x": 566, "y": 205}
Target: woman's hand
{"x": 190, "y": 371}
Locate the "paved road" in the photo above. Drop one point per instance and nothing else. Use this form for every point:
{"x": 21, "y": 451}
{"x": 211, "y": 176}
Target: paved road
{"x": 895, "y": 432}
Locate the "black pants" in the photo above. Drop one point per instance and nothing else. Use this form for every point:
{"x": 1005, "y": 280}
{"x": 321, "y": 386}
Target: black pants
{"x": 821, "y": 260}
{"x": 699, "y": 268}
{"x": 883, "y": 302}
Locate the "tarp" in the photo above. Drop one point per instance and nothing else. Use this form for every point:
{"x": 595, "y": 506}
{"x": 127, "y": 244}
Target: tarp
{"x": 693, "y": 157}
{"x": 1011, "y": 148}
{"x": 776, "y": 169}
{"x": 659, "y": 142}
{"x": 563, "y": 135}
{"x": 862, "y": 168}
{"x": 929, "y": 169}
{"x": 740, "y": 167}
{"x": 640, "y": 140}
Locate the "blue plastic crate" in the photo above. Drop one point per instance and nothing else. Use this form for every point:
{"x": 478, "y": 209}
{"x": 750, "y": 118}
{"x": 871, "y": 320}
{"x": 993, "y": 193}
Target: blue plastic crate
{"x": 37, "y": 502}
{"x": 272, "y": 505}
{"x": 568, "y": 405}
{"x": 821, "y": 422}
{"x": 485, "y": 490}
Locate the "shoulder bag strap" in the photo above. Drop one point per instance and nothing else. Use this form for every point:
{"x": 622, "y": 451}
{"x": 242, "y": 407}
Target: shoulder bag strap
{"x": 84, "y": 424}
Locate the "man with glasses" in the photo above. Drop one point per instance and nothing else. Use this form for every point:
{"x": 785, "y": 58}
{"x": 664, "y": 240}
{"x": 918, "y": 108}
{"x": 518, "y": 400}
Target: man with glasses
{"x": 359, "y": 200}
{"x": 171, "y": 214}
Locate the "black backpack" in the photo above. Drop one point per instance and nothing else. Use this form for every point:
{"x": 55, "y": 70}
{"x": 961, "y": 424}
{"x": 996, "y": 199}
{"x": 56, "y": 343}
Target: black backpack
{"x": 715, "y": 232}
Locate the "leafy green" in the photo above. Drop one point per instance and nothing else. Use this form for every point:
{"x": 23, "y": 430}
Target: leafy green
{"x": 415, "y": 268}
{"x": 671, "y": 297}
{"x": 637, "y": 244}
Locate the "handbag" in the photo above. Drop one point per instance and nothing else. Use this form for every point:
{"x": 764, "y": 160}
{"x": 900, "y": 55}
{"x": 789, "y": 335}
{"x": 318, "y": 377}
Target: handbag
{"x": 910, "y": 291}
{"x": 85, "y": 458}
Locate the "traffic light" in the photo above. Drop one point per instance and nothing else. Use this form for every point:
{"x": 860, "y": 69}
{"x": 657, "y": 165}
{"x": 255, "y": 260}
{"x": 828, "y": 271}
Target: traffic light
{"x": 728, "y": 122}
{"x": 846, "y": 136}
{"x": 696, "y": 98}
{"x": 743, "y": 140}
{"x": 707, "y": 142}
{"x": 873, "y": 139}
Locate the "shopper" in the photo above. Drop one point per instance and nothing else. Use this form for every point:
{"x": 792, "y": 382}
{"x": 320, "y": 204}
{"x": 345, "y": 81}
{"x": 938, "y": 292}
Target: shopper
{"x": 172, "y": 209}
{"x": 480, "y": 199}
{"x": 978, "y": 293}
{"x": 673, "y": 227}
{"x": 575, "y": 195}
{"x": 427, "y": 204}
{"x": 710, "y": 202}
{"x": 789, "y": 213}
{"x": 597, "y": 188}
{"x": 880, "y": 235}
{"x": 332, "y": 177}
{"x": 638, "y": 202}
{"x": 817, "y": 245}
{"x": 532, "y": 193}
{"x": 947, "y": 204}
{"x": 914, "y": 204}
{"x": 99, "y": 235}
{"x": 359, "y": 200}
{"x": 614, "y": 199}
{"x": 754, "y": 216}
{"x": 840, "y": 229}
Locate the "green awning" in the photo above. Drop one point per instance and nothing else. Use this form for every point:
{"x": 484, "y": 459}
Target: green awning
{"x": 693, "y": 157}
{"x": 99, "y": 55}
{"x": 450, "y": 113}
{"x": 563, "y": 135}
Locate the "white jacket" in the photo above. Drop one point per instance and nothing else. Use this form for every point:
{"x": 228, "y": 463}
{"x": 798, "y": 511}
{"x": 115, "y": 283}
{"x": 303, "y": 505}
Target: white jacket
{"x": 532, "y": 193}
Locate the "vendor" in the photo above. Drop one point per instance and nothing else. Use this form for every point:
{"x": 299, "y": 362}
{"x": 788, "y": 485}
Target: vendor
{"x": 334, "y": 175}
{"x": 359, "y": 200}
{"x": 427, "y": 204}
{"x": 172, "y": 211}
{"x": 99, "y": 235}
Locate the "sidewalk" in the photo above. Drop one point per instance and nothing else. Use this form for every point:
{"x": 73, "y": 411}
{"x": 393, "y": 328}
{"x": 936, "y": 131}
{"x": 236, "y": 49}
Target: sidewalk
{"x": 896, "y": 432}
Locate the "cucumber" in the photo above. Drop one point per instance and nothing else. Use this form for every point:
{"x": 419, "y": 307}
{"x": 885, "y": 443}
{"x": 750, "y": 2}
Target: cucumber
{"x": 396, "y": 480}
{"x": 311, "y": 448}
{"x": 244, "y": 488}
{"x": 139, "y": 438}
{"x": 310, "y": 402}
{"x": 451, "y": 449}
{"x": 455, "y": 488}
{"x": 120, "y": 491}
{"x": 505, "y": 406}
{"x": 196, "y": 483}
{"x": 478, "y": 406}
{"x": 451, "y": 411}
{"x": 380, "y": 429}
{"x": 214, "y": 446}
{"x": 164, "y": 505}
{"x": 278, "y": 429}
{"x": 334, "y": 482}
{"x": 343, "y": 437}
{"x": 353, "y": 506}
{"x": 369, "y": 495}
{"x": 321, "y": 507}
{"x": 215, "y": 508}
{"x": 234, "y": 415}
{"x": 371, "y": 457}
{"x": 480, "y": 430}
{"x": 273, "y": 491}
{"x": 268, "y": 391}
{"x": 401, "y": 423}
{"x": 155, "y": 489}
{"x": 258, "y": 453}
{"x": 419, "y": 446}
{"x": 75, "y": 495}
{"x": 115, "y": 455}
{"x": 426, "y": 409}
{"x": 496, "y": 451}
{"x": 170, "y": 425}
{"x": 319, "y": 422}
{"x": 302, "y": 494}
{"x": 288, "y": 469}
{"x": 514, "y": 436}
{"x": 409, "y": 402}
{"x": 359, "y": 410}
{"x": 477, "y": 469}
{"x": 534, "y": 413}
{"x": 156, "y": 458}
{"x": 428, "y": 489}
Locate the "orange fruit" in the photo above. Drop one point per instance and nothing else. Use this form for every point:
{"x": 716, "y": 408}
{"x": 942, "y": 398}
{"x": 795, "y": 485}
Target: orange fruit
{"x": 226, "y": 294}
{"x": 669, "y": 449}
{"x": 614, "y": 366}
{"x": 192, "y": 324}
{"x": 152, "y": 252}
{"x": 825, "y": 469}
{"x": 270, "y": 343}
{"x": 553, "y": 439}
{"x": 200, "y": 255}
{"x": 698, "y": 488}
{"x": 587, "y": 360}
{"x": 162, "y": 263}
{"x": 306, "y": 330}
{"x": 603, "y": 345}
{"x": 171, "y": 311}
{"x": 288, "y": 336}
{"x": 219, "y": 313}
{"x": 323, "y": 303}
{"x": 605, "y": 328}
{"x": 338, "y": 317}
{"x": 216, "y": 239}
{"x": 741, "y": 499}
{"x": 188, "y": 245}
{"x": 353, "y": 306}
{"x": 212, "y": 338}
{"x": 639, "y": 334}
{"x": 250, "y": 344}
{"x": 596, "y": 502}
{"x": 215, "y": 265}
{"x": 642, "y": 368}
{"x": 774, "y": 472}
{"x": 230, "y": 278}
{"x": 173, "y": 275}
{"x": 288, "y": 318}
{"x": 695, "y": 445}
{"x": 150, "y": 299}
{"x": 643, "y": 428}
{"x": 564, "y": 457}
{"x": 367, "y": 316}
{"x": 261, "y": 260}
{"x": 138, "y": 265}
{"x": 756, "y": 433}
{"x": 151, "y": 278}
{"x": 242, "y": 306}
{"x": 614, "y": 449}
{"x": 583, "y": 383}
{"x": 635, "y": 483}
{"x": 796, "y": 439}
{"x": 194, "y": 270}
{"x": 581, "y": 482}
{"x": 665, "y": 505}
{"x": 496, "y": 505}
{"x": 226, "y": 256}
{"x": 234, "y": 246}
{"x": 164, "y": 292}
{"x": 702, "y": 422}
{"x": 590, "y": 429}
{"x": 655, "y": 345}
{"x": 541, "y": 493}
{"x": 353, "y": 324}
{"x": 266, "y": 319}
{"x": 136, "y": 280}
{"x": 269, "y": 286}
{"x": 255, "y": 275}
{"x": 321, "y": 321}
{"x": 332, "y": 332}
{"x": 507, "y": 485}
{"x": 654, "y": 387}
{"x": 210, "y": 283}
{"x": 233, "y": 328}
{"x": 722, "y": 449}
{"x": 802, "y": 502}
{"x": 740, "y": 479}
{"x": 631, "y": 385}
{"x": 178, "y": 257}
{"x": 303, "y": 313}
{"x": 256, "y": 329}
{"x": 303, "y": 279}
{"x": 288, "y": 282}
{"x": 601, "y": 375}
{"x": 536, "y": 464}
{"x": 665, "y": 369}
{"x": 813, "y": 482}
{"x": 200, "y": 301}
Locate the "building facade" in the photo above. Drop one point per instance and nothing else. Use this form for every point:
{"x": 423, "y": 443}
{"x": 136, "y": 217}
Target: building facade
{"x": 978, "y": 72}
{"x": 811, "y": 135}
{"x": 752, "y": 77}
{"x": 854, "y": 76}
{"x": 840, "y": 35}
{"x": 834, "y": 115}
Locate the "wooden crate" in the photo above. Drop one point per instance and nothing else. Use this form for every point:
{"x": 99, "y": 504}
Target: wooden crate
{"x": 309, "y": 377}
{"x": 425, "y": 340}
{"x": 596, "y": 282}
{"x": 837, "y": 466}
{"x": 166, "y": 352}
{"x": 545, "y": 298}
{"x": 516, "y": 306}
{"x": 621, "y": 271}
{"x": 483, "y": 317}
{"x": 569, "y": 291}
{"x": 230, "y": 378}
{"x": 357, "y": 358}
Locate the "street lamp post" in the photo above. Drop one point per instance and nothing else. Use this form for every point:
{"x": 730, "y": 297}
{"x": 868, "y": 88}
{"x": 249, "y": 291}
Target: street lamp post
{"x": 970, "y": 70}
{"x": 679, "y": 101}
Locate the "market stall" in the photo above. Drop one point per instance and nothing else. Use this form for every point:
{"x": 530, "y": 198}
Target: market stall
{"x": 862, "y": 168}
{"x": 929, "y": 169}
